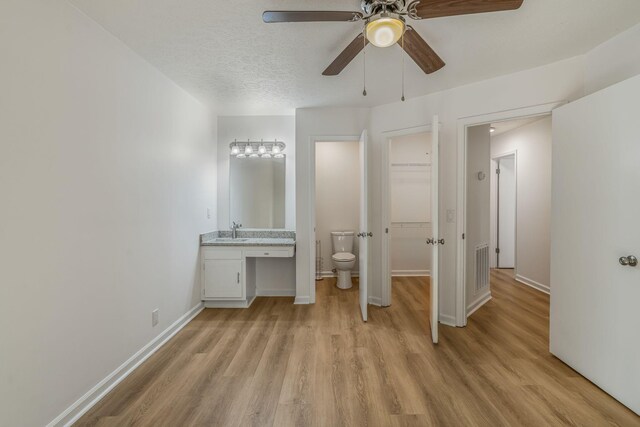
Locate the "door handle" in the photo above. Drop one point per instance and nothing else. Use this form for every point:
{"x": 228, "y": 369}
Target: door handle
{"x": 238, "y": 279}
{"x": 630, "y": 260}
{"x": 435, "y": 242}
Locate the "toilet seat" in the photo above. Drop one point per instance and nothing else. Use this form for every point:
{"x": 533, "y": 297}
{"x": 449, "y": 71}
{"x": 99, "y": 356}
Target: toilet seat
{"x": 343, "y": 257}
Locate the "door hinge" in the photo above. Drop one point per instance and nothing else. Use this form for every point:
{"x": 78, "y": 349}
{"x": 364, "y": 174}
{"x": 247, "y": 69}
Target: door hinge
{"x": 386, "y": 230}
{"x": 498, "y": 171}
{"x": 497, "y": 250}
{"x": 463, "y": 236}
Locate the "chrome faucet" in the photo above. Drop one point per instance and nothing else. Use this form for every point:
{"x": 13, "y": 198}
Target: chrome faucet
{"x": 234, "y": 230}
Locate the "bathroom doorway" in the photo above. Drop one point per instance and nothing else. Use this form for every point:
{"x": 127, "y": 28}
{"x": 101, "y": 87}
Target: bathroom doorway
{"x": 338, "y": 192}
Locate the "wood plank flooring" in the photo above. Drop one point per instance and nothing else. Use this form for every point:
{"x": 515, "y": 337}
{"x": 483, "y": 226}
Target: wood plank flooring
{"x": 278, "y": 364}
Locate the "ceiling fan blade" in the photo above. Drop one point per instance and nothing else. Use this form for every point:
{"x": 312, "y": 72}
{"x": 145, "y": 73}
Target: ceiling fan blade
{"x": 346, "y": 56}
{"x": 272, "y": 16}
{"x": 421, "y": 52}
{"x": 439, "y": 8}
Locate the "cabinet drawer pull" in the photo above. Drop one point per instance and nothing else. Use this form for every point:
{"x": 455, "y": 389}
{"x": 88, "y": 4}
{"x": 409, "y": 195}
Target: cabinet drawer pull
{"x": 266, "y": 253}
{"x": 238, "y": 277}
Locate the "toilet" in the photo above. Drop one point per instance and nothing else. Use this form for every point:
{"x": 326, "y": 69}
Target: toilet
{"x": 343, "y": 258}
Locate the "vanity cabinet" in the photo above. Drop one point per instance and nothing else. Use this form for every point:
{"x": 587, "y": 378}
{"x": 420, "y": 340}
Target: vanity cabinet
{"x": 229, "y": 272}
{"x": 222, "y": 278}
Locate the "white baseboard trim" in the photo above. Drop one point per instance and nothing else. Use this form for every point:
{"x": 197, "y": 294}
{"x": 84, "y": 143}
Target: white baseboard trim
{"x": 375, "y": 301}
{"x": 93, "y": 396}
{"x": 276, "y": 292}
{"x": 447, "y": 320}
{"x": 533, "y": 284}
{"x": 479, "y": 302}
{"x": 230, "y": 304}
{"x": 411, "y": 273}
{"x": 302, "y": 300}
{"x": 332, "y": 274}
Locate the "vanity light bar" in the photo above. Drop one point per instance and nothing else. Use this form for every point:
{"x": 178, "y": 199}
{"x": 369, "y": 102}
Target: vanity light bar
{"x": 252, "y": 149}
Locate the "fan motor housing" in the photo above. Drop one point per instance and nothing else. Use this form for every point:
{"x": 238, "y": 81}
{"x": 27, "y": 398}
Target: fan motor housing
{"x": 372, "y": 7}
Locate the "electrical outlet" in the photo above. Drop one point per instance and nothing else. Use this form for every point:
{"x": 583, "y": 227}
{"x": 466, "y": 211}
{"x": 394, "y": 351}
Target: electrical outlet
{"x": 155, "y": 317}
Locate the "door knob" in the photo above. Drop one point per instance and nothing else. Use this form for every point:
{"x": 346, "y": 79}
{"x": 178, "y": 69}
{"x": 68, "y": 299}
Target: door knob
{"x": 630, "y": 260}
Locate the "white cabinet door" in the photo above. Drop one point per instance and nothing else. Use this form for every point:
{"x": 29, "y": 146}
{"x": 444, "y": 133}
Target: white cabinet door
{"x": 223, "y": 278}
{"x": 595, "y": 325}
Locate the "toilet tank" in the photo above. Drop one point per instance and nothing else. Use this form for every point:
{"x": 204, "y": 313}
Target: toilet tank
{"x": 342, "y": 241}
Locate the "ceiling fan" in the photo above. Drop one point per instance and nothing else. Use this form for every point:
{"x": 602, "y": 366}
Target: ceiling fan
{"x": 385, "y": 24}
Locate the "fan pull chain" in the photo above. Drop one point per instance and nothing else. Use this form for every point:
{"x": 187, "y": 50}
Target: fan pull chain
{"x": 364, "y": 60}
{"x": 404, "y": 53}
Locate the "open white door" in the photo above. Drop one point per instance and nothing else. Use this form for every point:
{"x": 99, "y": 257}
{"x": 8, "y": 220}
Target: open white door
{"x": 364, "y": 228}
{"x": 595, "y": 239}
{"x": 436, "y": 241}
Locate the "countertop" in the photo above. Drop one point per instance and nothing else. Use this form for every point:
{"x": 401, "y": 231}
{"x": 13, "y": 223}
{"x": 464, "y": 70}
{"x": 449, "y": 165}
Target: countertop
{"x": 245, "y": 241}
{"x": 248, "y": 238}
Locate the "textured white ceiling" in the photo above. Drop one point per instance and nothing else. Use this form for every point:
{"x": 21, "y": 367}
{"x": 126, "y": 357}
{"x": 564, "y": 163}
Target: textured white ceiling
{"x": 222, "y": 53}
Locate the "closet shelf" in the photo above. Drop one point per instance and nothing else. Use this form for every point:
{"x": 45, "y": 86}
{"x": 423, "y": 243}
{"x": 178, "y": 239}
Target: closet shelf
{"x": 410, "y": 165}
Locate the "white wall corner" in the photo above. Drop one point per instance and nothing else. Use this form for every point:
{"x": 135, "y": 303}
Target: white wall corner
{"x": 478, "y": 303}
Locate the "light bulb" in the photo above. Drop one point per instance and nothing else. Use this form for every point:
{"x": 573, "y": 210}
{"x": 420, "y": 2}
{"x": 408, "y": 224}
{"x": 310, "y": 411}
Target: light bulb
{"x": 266, "y": 156}
{"x": 275, "y": 149}
{"x": 248, "y": 149}
{"x": 253, "y": 155}
{"x": 235, "y": 150}
{"x": 241, "y": 156}
{"x": 262, "y": 149}
{"x": 386, "y": 30}
{"x": 278, "y": 156}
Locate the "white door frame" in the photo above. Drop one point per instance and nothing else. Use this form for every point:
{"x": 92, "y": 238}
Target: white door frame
{"x": 311, "y": 192}
{"x": 462, "y": 125}
{"x": 385, "y": 224}
{"x": 494, "y": 219}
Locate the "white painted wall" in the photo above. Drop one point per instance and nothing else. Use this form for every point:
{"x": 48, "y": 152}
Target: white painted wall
{"x": 256, "y": 128}
{"x": 106, "y": 171}
{"x": 613, "y": 61}
{"x": 410, "y": 190}
{"x": 478, "y": 191}
{"x": 321, "y": 123}
{"x": 337, "y": 195}
{"x": 533, "y": 145}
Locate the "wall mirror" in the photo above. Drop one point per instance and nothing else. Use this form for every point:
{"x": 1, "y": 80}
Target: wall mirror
{"x": 257, "y": 192}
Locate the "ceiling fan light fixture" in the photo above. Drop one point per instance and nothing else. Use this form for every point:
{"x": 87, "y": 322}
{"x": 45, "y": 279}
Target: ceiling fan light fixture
{"x": 385, "y": 29}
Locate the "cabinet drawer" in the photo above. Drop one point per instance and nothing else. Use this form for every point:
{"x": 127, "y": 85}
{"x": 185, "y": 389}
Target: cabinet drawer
{"x": 269, "y": 253}
{"x": 222, "y": 254}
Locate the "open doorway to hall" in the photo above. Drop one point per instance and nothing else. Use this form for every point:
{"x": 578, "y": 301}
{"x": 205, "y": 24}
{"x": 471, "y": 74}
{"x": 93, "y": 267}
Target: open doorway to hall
{"x": 508, "y": 207}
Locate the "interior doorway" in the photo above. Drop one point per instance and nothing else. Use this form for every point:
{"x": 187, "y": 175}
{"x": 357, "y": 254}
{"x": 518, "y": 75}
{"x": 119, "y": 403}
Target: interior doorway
{"x": 507, "y": 206}
{"x": 503, "y": 208}
{"x": 338, "y": 192}
{"x": 410, "y": 219}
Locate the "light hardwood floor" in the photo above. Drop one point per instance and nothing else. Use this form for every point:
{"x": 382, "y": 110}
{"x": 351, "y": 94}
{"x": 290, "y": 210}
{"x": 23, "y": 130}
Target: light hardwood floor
{"x": 277, "y": 364}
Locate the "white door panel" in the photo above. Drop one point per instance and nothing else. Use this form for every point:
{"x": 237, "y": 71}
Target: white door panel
{"x": 595, "y": 326}
{"x": 364, "y": 228}
{"x": 435, "y": 150}
{"x": 507, "y": 212}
